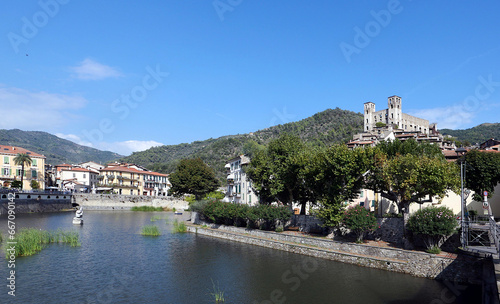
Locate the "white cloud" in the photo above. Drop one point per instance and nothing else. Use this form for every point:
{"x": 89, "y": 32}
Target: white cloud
{"x": 29, "y": 110}
{"x": 89, "y": 69}
{"x": 123, "y": 147}
{"x": 452, "y": 117}
{"x": 127, "y": 147}
{"x": 74, "y": 138}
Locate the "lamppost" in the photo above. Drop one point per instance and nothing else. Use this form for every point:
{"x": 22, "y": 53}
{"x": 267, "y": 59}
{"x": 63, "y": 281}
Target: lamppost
{"x": 461, "y": 155}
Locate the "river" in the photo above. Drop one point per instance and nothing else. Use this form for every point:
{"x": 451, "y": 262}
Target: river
{"x": 116, "y": 264}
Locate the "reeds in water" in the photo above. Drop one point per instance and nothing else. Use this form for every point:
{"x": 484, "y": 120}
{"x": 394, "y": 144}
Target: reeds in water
{"x": 217, "y": 294}
{"x": 30, "y": 241}
{"x": 155, "y": 218}
{"x": 150, "y": 230}
{"x": 179, "y": 227}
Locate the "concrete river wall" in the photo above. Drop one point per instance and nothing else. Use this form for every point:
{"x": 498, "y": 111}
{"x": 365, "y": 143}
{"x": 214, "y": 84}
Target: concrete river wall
{"x": 125, "y": 202}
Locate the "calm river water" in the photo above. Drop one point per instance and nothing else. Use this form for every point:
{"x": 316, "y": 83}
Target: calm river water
{"x": 115, "y": 264}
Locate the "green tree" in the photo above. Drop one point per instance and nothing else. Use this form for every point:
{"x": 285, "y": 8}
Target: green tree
{"x": 408, "y": 178}
{"x": 35, "y": 185}
{"x": 482, "y": 172}
{"x": 411, "y": 146}
{"x": 335, "y": 175}
{"x": 277, "y": 172}
{"x": 193, "y": 176}
{"x": 22, "y": 159}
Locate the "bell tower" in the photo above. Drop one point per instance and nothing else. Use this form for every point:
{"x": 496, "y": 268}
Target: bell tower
{"x": 368, "y": 116}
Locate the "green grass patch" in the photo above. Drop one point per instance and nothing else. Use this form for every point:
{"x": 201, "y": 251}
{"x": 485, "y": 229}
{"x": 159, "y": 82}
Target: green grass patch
{"x": 31, "y": 241}
{"x": 150, "y": 230}
{"x": 155, "y": 218}
{"x": 179, "y": 227}
{"x": 434, "y": 250}
{"x": 146, "y": 208}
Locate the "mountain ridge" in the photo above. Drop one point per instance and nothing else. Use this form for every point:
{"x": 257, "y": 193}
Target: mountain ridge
{"x": 56, "y": 150}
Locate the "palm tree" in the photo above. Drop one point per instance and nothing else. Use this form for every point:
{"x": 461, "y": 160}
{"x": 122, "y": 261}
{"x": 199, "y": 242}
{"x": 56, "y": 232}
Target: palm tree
{"x": 22, "y": 159}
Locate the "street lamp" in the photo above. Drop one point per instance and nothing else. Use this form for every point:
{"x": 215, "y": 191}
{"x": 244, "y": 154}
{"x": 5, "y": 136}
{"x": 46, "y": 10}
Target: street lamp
{"x": 460, "y": 154}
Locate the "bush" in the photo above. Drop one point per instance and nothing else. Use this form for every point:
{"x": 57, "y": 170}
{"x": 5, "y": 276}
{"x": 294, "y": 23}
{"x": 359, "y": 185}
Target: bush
{"x": 197, "y": 206}
{"x": 237, "y": 214}
{"x": 433, "y": 224}
{"x": 359, "y": 220}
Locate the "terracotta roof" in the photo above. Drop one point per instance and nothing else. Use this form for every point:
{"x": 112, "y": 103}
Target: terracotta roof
{"x": 122, "y": 169}
{"x": 12, "y": 150}
{"x": 154, "y": 173}
{"x": 79, "y": 170}
{"x": 63, "y": 165}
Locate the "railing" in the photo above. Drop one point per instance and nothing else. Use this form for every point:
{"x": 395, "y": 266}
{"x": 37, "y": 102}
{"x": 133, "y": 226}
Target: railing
{"x": 494, "y": 229}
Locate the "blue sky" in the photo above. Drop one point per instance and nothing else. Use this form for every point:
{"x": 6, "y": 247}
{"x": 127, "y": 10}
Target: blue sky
{"x": 127, "y": 75}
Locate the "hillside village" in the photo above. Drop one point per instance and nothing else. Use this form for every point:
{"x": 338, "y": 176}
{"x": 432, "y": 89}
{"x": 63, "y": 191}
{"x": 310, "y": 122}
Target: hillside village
{"x": 133, "y": 179}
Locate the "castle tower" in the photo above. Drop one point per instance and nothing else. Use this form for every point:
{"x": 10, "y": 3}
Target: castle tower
{"x": 394, "y": 111}
{"x": 368, "y": 116}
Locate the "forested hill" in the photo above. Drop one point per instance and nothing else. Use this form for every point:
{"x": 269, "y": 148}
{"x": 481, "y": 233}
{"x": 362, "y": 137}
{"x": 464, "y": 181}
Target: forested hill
{"x": 56, "y": 149}
{"x": 475, "y": 135}
{"x": 324, "y": 128}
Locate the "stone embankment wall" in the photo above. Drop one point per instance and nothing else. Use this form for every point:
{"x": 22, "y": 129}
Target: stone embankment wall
{"x": 391, "y": 229}
{"x": 464, "y": 269}
{"x": 125, "y": 202}
{"x": 36, "y": 205}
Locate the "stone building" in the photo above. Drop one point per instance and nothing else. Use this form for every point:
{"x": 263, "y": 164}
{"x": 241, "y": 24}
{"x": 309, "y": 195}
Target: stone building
{"x": 393, "y": 116}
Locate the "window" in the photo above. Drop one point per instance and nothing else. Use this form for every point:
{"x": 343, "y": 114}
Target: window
{"x": 74, "y": 175}
{"x": 6, "y": 171}
{"x": 34, "y": 162}
{"x": 361, "y": 193}
{"x": 84, "y": 175}
{"x": 6, "y": 160}
{"x": 34, "y": 174}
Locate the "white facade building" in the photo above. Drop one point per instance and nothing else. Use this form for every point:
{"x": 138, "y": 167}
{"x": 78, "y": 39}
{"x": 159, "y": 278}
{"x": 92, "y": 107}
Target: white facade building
{"x": 239, "y": 187}
{"x": 78, "y": 179}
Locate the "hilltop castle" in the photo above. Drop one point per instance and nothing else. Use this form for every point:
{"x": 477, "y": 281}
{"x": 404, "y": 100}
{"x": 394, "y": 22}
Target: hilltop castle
{"x": 394, "y": 116}
{"x": 392, "y": 123}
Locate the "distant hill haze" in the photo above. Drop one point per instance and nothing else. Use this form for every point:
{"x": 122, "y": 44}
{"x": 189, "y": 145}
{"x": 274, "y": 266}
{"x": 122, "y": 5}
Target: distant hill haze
{"x": 55, "y": 149}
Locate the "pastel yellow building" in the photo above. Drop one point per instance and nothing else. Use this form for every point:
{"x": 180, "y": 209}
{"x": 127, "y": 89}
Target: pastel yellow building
{"x": 11, "y": 172}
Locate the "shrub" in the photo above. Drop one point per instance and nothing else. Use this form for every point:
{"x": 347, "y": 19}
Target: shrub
{"x": 197, "y": 206}
{"x": 359, "y": 220}
{"x": 433, "y": 224}
{"x": 237, "y": 214}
